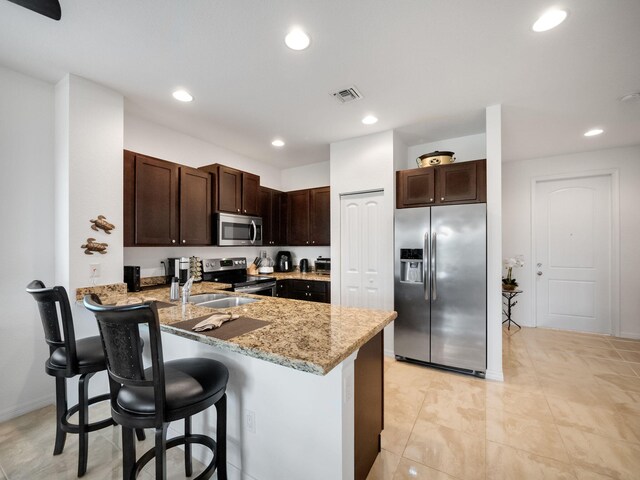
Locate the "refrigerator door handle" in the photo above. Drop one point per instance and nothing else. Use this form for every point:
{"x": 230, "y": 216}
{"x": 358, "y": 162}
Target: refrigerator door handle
{"x": 426, "y": 259}
{"x": 434, "y": 267}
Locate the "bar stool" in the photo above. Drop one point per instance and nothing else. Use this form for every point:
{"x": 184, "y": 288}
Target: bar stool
{"x": 163, "y": 393}
{"x": 69, "y": 357}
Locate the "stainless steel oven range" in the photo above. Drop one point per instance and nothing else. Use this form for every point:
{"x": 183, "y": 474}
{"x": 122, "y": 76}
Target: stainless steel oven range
{"x": 234, "y": 271}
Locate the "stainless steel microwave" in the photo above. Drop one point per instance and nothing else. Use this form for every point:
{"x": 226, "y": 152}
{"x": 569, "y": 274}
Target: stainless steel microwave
{"x": 235, "y": 230}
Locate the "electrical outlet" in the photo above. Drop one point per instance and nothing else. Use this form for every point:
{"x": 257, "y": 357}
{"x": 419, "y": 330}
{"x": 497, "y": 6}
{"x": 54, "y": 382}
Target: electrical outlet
{"x": 94, "y": 270}
{"x": 250, "y": 421}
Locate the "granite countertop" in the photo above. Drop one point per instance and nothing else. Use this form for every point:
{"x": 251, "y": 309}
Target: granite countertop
{"x": 299, "y": 276}
{"x": 308, "y": 336}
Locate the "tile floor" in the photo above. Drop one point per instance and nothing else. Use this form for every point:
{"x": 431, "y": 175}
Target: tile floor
{"x": 26, "y": 444}
{"x": 569, "y": 409}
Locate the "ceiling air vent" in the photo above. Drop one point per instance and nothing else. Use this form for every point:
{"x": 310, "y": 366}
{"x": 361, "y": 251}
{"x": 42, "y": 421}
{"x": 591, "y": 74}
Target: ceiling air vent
{"x": 347, "y": 95}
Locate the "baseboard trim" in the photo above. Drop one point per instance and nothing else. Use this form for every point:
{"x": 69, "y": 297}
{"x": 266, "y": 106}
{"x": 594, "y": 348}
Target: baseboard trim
{"x": 389, "y": 353}
{"x": 26, "y": 407}
{"x": 494, "y": 375}
{"x": 634, "y": 336}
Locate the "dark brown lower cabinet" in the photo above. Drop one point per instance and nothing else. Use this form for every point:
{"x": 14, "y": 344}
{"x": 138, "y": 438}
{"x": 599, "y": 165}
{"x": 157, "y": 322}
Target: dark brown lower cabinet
{"x": 309, "y": 290}
{"x": 368, "y": 404}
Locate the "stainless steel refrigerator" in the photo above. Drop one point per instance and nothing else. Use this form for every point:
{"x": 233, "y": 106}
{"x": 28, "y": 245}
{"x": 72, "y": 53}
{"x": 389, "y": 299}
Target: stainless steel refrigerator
{"x": 441, "y": 286}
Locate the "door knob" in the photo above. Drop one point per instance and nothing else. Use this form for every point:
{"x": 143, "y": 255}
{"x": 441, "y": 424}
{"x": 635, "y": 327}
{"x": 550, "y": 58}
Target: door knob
{"x": 539, "y": 273}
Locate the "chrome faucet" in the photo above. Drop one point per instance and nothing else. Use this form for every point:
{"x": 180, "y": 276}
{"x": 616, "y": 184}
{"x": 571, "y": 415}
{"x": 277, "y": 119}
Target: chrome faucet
{"x": 186, "y": 290}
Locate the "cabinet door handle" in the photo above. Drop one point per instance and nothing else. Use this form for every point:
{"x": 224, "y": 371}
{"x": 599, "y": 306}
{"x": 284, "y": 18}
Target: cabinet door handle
{"x": 238, "y": 210}
{"x": 245, "y": 210}
{"x": 184, "y": 241}
{"x": 313, "y": 241}
{"x": 431, "y": 200}
{"x": 307, "y": 242}
{"x": 173, "y": 241}
{"x": 442, "y": 199}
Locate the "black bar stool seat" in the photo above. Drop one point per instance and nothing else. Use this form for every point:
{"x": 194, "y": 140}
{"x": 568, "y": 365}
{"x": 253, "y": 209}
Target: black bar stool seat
{"x": 186, "y": 383}
{"x": 88, "y": 351}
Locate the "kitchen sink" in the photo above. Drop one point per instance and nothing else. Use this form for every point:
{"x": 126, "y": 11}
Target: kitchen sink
{"x": 207, "y": 297}
{"x": 220, "y": 300}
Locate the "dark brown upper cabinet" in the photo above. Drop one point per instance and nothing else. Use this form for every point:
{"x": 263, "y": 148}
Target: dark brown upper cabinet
{"x": 151, "y": 201}
{"x": 298, "y": 217}
{"x": 308, "y": 215}
{"x": 320, "y": 216}
{"x": 236, "y": 191}
{"x": 455, "y": 183}
{"x": 165, "y": 203}
{"x": 271, "y": 206}
{"x": 462, "y": 182}
{"x": 415, "y": 187}
{"x": 229, "y": 190}
{"x": 250, "y": 193}
{"x": 195, "y": 207}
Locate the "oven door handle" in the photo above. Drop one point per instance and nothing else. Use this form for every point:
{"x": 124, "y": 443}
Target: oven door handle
{"x": 255, "y": 288}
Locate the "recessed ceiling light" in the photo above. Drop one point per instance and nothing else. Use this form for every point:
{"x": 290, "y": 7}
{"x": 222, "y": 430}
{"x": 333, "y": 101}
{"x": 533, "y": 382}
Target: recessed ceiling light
{"x": 369, "y": 120}
{"x": 593, "y": 132}
{"x": 277, "y": 143}
{"x": 296, "y": 39}
{"x": 182, "y": 95}
{"x": 550, "y": 19}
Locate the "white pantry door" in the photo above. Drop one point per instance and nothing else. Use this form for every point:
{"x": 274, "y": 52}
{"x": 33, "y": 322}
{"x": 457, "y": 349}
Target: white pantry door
{"x": 573, "y": 232}
{"x": 362, "y": 250}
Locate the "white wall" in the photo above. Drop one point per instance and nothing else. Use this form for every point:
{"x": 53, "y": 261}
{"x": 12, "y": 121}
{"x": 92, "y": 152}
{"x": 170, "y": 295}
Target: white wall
{"x": 306, "y": 176}
{"x": 26, "y": 159}
{"x": 470, "y": 147}
{"x": 361, "y": 164}
{"x": 516, "y": 188}
{"x": 88, "y": 183}
{"x": 144, "y": 136}
{"x": 494, "y": 242}
{"x": 94, "y": 171}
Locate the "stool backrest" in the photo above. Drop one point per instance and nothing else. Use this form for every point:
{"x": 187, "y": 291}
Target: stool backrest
{"x": 120, "y": 333}
{"x": 49, "y": 300}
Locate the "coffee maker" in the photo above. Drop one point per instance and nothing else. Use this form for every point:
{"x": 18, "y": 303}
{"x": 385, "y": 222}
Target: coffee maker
{"x": 179, "y": 267}
{"x": 284, "y": 262}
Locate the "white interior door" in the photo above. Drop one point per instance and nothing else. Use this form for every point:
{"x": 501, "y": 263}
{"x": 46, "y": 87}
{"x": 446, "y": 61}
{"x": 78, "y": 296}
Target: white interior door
{"x": 361, "y": 246}
{"x": 573, "y": 232}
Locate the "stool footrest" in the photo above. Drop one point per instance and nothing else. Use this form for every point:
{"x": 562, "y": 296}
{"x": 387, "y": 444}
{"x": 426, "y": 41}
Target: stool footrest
{"x": 208, "y": 442}
{"x": 91, "y": 427}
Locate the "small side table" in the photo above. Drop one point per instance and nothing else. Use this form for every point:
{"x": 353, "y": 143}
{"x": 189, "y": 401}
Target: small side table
{"x": 508, "y": 302}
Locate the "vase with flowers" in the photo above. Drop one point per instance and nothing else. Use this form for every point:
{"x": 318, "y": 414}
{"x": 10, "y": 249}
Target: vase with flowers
{"x": 509, "y": 282}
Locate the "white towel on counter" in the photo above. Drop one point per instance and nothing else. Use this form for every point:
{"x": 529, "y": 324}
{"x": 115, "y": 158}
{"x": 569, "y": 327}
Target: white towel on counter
{"x": 215, "y": 321}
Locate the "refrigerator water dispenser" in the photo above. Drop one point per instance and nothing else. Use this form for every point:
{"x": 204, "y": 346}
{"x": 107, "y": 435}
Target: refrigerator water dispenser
{"x": 411, "y": 270}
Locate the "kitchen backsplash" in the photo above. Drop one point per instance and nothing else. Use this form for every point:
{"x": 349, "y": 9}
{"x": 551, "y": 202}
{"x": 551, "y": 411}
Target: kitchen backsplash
{"x": 149, "y": 258}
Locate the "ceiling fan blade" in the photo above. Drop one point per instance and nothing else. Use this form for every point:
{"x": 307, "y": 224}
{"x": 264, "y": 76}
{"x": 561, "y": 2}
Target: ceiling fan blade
{"x": 48, "y": 8}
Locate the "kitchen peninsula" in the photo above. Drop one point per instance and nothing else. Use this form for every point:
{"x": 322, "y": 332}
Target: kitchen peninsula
{"x": 298, "y": 385}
